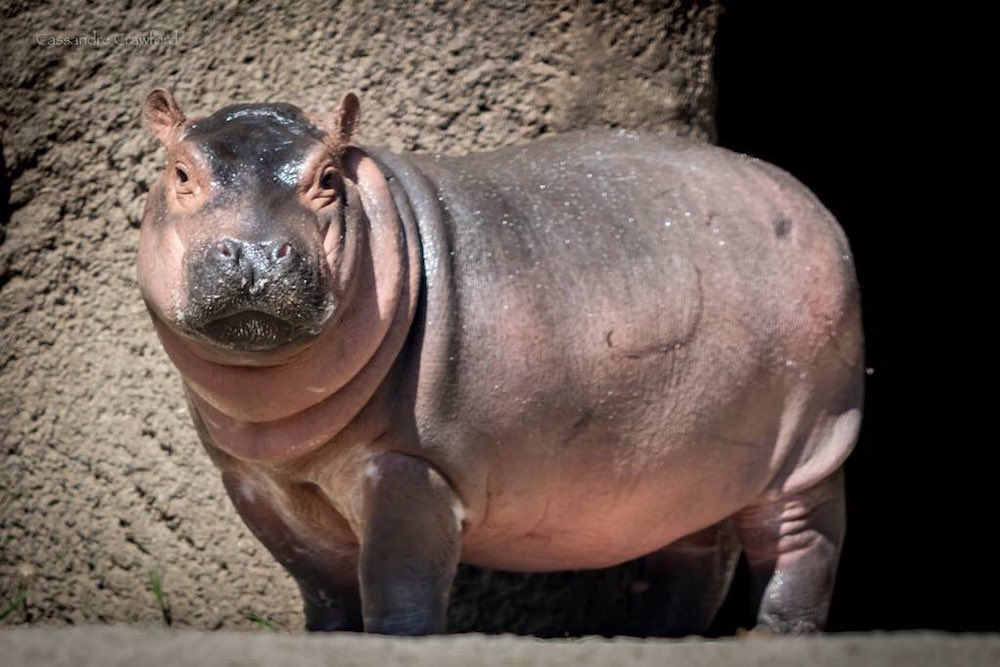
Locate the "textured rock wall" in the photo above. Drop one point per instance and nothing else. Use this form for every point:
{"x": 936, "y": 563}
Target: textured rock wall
{"x": 103, "y": 479}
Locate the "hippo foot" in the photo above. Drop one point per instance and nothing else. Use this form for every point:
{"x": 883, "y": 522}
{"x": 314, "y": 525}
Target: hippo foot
{"x": 793, "y": 545}
{"x": 331, "y": 618}
{"x": 770, "y": 624}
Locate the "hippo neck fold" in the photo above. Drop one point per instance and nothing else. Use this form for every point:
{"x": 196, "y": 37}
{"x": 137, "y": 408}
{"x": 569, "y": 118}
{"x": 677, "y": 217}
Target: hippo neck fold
{"x": 277, "y": 413}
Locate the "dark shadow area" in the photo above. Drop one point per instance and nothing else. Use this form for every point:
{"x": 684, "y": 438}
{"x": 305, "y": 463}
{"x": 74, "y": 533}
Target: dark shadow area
{"x": 826, "y": 91}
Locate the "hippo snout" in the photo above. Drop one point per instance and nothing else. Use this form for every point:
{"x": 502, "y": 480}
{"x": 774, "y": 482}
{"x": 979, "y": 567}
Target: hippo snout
{"x": 255, "y": 264}
{"x": 254, "y": 295}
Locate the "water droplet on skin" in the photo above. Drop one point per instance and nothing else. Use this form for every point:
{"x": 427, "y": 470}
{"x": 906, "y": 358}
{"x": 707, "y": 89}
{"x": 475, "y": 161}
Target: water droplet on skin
{"x": 666, "y": 223}
{"x": 722, "y": 243}
{"x": 541, "y": 187}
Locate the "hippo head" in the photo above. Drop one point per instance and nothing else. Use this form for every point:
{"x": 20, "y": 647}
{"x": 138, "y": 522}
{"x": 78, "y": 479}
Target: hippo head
{"x": 247, "y": 237}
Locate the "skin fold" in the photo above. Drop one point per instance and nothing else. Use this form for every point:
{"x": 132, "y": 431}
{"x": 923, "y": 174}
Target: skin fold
{"x": 561, "y": 355}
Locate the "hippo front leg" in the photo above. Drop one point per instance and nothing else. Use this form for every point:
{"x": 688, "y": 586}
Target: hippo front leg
{"x": 327, "y": 577}
{"x": 410, "y": 546}
{"x": 792, "y": 545}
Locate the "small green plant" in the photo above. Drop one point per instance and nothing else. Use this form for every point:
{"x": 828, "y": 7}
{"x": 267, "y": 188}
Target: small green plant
{"x": 17, "y": 603}
{"x": 157, "y": 585}
{"x": 261, "y": 622}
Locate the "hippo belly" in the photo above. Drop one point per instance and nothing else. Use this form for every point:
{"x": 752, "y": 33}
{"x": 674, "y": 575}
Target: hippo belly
{"x": 627, "y": 339}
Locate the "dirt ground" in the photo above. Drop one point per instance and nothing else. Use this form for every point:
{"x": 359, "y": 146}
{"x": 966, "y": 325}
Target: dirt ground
{"x": 103, "y": 480}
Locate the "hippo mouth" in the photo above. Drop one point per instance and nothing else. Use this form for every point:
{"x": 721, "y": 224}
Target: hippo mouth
{"x": 251, "y": 331}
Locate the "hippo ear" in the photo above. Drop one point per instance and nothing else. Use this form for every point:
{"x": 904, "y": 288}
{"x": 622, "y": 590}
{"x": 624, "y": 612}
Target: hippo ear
{"x": 340, "y": 124}
{"x": 347, "y": 116}
{"x": 163, "y": 115}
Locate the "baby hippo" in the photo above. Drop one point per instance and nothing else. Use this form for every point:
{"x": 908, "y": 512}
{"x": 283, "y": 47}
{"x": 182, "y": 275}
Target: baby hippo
{"x": 559, "y": 355}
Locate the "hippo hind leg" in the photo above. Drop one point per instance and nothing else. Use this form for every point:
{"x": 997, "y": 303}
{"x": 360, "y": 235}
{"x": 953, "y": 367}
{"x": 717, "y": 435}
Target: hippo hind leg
{"x": 687, "y": 583}
{"x": 327, "y": 579}
{"x": 792, "y": 545}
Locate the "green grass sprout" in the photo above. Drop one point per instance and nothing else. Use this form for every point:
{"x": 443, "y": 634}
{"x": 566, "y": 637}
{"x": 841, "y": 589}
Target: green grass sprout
{"x": 261, "y": 622}
{"x": 13, "y": 606}
{"x": 157, "y": 585}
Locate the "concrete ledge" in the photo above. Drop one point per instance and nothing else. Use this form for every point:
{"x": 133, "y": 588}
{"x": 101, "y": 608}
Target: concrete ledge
{"x": 131, "y": 645}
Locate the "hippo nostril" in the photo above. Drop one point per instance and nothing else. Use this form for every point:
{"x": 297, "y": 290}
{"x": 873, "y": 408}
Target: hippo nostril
{"x": 229, "y": 249}
{"x": 284, "y": 251}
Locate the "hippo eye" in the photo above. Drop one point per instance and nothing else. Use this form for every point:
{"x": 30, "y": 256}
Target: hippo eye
{"x": 324, "y": 192}
{"x": 328, "y": 180}
{"x": 183, "y": 183}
